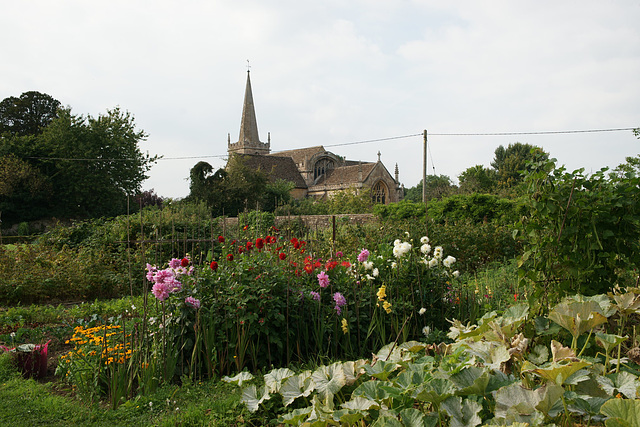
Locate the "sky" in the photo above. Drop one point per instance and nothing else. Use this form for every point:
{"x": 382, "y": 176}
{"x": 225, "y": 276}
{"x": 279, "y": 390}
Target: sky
{"x": 334, "y": 72}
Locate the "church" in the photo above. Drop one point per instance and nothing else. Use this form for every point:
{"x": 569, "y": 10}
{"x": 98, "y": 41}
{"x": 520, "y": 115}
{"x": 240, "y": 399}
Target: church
{"x": 314, "y": 171}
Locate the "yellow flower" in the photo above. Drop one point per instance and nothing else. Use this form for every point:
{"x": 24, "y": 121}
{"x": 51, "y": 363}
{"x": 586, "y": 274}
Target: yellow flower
{"x": 382, "y": 293}
{"x": 345, "y": 325}
{"x": 387, "y": 306}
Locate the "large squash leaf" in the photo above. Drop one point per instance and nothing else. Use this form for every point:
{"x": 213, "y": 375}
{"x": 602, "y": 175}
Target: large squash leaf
{"x": 578, "y": 317}
{"x": 621, "y": 413}
{"x": 300, "y": 385}
{"x": 238, "y": 379}
{"x": 471, "y": 380}
{"x": 274, "y": 379}
{"x": 462, "y": 413}
{"x": 329, "y": 380}
{"x": 253, "y": 397}
{"x": 411, "y": 417}
{"x": 622, "y": 382}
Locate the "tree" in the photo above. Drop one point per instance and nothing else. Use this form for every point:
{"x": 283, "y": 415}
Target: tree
{"x": 94, "y": 163}
{"x": 478, "y": 179}
{"x": 29, "y": 114}
{"x": 277, "y": 193}
{"x": 230, "y": 190}
{"x": 24, "y": 191}
{"x": 510, "y": 162}
{"x": 90, "y": 164}
{"x": 438, "y": 186}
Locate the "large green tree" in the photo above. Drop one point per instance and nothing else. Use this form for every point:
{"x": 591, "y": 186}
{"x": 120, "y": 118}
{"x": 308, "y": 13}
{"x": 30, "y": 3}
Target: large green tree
{"x": 27, "y": 114}
{"x": 478, "y": 179}
{"x": 85, "y": 167}
{"x": 510, "y": 163}
{"x": 438, "y": 186}
{"x": 233, "y": 189}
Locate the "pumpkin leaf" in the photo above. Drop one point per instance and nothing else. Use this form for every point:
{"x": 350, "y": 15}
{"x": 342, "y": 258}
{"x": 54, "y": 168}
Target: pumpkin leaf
{"x": 621, "y": 382}
{"x": 556, "y": 372}
{"x": 329, "y": 380}
{"x": 538, "y": 354}
{"x": 492, "y": 353}
{"x": 471, "y": 380}
{"x": 253, "y": 397}
{"x": 300, "y": 385}
{"x": 348, "y": 417}
{"x": 372, "y": 390}
{"x": 621, "y": 412}
{"x": 238, "y": 379}
{"x": 578, "y": 317}
{"x": 411, "y": 417}
{"x": 381, "y": 370}
{"x": 436, "y": 391}
{"x": 462, "y": 413}
{"x": 608, "y": 341}
{"x": 273, "y": 380}
{"x": 361, "y": 404}
{"x": 296, "y": 417}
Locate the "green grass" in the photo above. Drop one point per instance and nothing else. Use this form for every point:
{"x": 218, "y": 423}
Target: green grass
{"x": 31, "y": 403}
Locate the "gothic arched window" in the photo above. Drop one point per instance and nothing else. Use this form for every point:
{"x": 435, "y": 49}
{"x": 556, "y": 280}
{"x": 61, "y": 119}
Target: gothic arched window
{"x": 379, "y": 193}
{"x": 321, "y": 167}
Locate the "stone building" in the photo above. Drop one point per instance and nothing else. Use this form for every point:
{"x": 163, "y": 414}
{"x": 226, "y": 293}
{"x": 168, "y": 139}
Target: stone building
{"x": 314, "y": 171}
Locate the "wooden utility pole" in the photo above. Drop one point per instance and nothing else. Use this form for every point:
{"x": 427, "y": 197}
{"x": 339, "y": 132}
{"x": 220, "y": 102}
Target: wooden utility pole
{"x": 424, "y": 167}
{"x": 424, "y": 179}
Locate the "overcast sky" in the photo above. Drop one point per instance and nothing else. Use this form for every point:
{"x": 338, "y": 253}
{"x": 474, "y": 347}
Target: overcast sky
{"x": 329, "y": 72}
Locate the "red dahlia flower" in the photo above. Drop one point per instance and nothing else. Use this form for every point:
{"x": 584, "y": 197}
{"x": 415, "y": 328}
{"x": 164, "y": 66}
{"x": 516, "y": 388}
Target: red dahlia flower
{"x": 214, "y": 265}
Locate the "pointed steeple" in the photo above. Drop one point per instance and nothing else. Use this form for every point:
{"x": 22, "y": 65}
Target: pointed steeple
{"x": 249, "y": 140}
{"x": 249, "y": 125}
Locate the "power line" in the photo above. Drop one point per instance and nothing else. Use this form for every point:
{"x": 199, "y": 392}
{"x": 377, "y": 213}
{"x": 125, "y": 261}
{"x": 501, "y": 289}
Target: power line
{"x": 373, "y": 140}
{"x": 532, "y": 133}
{"x": 366, "y": 141}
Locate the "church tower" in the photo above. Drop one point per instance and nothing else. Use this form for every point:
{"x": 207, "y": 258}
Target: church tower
{"x": 249, "y": 141}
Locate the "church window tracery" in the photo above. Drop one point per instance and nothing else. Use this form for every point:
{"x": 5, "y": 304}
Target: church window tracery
{"x": 379, "y": 193}
{"x": 321, "y": 167}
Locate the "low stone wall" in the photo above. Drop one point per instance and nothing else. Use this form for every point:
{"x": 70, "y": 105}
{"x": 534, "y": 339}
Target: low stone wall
{"x": 315, "y": 221}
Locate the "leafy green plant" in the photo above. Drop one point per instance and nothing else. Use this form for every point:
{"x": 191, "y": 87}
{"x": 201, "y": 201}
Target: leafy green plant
{"x": 581, "y": 231}
{"x": 491, "y": 374}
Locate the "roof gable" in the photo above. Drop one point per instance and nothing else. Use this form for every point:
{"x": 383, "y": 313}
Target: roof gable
{"x": 276, "y": 168}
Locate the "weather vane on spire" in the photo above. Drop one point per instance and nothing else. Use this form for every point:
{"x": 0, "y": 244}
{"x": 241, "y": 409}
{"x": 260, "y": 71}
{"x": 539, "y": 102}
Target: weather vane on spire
{"x": 248, "y": 66}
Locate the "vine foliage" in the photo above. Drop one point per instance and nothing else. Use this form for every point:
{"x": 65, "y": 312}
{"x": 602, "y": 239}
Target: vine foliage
{"x": 581, "y": 233}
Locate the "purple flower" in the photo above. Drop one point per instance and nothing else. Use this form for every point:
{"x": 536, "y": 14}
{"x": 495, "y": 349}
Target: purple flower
{"x": 363, "y": 256}
{"x": 195, "y": 303}
{"x": 315, "y": 296}
{"x": 160, "y": 291}
{"x": 175, "y": 263}
{"x": 323, "y": 279}
{"x": 339, "y": 254}
{"x": 340, "y": 300}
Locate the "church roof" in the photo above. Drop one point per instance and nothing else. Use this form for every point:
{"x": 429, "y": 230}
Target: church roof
{"x": 347, "y": 174}
{"x": 300, "y": 154}
{"x": 276, "y": 168}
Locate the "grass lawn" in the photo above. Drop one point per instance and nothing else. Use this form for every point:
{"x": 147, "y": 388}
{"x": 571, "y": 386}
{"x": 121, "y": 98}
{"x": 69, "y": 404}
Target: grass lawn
{"x": 26, "y": 402}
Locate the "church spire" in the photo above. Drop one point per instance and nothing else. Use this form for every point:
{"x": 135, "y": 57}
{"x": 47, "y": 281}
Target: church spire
{"x": 249, "y": 140}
